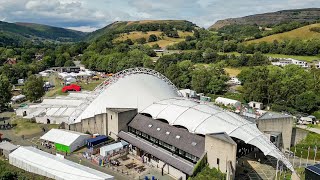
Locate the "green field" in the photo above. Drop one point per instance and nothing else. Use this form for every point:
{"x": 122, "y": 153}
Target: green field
{"x": 302, "y": 33}
{"x": 163, "y": 39}
{"x": 311, "y": 141}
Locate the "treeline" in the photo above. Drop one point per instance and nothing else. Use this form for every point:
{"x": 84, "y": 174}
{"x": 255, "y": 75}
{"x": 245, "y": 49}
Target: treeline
{"x": 164, "y": 26}
{"x": 53, "y": 55}
{"x": 291, "y": 88}
{"x": 289, "y": 47}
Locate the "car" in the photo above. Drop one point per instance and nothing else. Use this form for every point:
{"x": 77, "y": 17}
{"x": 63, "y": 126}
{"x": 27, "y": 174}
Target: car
{"x": 71, "y": 87}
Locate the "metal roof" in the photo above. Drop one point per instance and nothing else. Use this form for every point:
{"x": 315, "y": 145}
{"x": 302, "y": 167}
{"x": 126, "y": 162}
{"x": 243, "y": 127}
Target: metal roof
{"x": 131, "y": 88}
{"x": 5, "y": 145}
{"x": 203, "y": 118}
{"x": 188, "y": 142}
{"x": 314, "y": 168}
{"x": 274, "y": 115}
{"x": 160, "y": 153}
{"x": 62, "y": 136}
{"x": 34, "y": 159}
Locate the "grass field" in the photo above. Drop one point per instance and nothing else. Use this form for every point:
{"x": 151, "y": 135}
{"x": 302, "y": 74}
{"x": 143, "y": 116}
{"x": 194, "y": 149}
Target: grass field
{"x": 91, "y": 85}
{"x": 312, "y": 140}
{"x": 303, "y": 33}
{"x": 162, "y": 42}
{"x": 27, "y": 127}
{"x": 233, "y": 72}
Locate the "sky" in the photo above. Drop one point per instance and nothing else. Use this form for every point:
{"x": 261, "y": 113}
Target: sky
{"x": 89, "y": 15}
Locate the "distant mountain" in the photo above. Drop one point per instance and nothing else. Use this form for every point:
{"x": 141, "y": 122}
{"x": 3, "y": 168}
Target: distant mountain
{"x": 145, "y": 25}
{"x": 17, "y": 32}
{"x": 299, "y": 15}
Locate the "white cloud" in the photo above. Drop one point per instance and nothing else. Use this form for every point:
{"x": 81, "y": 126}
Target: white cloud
{"x": 98, "y": 13}
{"x": 83, "y": 28}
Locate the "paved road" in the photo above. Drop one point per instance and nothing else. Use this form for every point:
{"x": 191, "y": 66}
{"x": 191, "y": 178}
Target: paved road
{"x": 315, "y": 130}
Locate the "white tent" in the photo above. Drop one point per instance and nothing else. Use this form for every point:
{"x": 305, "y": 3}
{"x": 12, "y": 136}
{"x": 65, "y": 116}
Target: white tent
{"x": 71, "y": 139}
{"x": 111, "y": 148}
{"x": 45, "y": 164}
{"x": 71, "y": 80}
{"x": 228, "y": 102}
{"x": 18, "y": 98}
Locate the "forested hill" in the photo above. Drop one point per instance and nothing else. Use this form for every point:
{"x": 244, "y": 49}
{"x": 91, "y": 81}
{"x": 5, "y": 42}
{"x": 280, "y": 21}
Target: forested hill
{"x": 273, "y": 18}
{"x": 12, "y": 33}
{"x": 166, "y": 26}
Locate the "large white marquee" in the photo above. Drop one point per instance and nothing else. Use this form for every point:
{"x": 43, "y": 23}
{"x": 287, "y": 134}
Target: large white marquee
{"x": 204, "y": 119}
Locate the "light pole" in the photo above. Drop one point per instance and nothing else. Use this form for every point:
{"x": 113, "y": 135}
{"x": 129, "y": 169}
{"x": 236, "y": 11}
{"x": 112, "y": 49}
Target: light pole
{"x": 277, "y": 169}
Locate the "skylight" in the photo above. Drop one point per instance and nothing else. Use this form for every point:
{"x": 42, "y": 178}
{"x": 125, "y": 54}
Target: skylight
{"x": 178, "y": 137}
{"x": 158, "y": 129}
{"x": 167, "y": 133}
{"x": 150, "y": 125}
{"x": 193, "y": 143}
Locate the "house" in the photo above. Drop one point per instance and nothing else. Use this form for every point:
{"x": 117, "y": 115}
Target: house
{"x": 6, "y": 148}
{"x": 234, "y": 80}
{"x": 256, "y": 105}
{"x": 303, "y": 64}
{"x": 11, "y": 61}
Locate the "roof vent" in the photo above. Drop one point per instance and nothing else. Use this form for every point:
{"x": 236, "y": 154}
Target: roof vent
{"x": 178, "y": 137}
{"x": 167, "y": 133}
{"x": 150, "y": 125}
{"x": 193, "y": 143}
{"x": 158, "y": 129}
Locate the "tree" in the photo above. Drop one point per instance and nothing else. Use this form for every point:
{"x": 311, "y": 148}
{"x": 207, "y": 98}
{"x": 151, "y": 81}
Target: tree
{"x": 153, "y": 38}
{"x": 5, "y": 91}
{"x": 306, "y": 101}
{"x": 200, "y": 79}
{"x": 69, "y": 63}
{"x": 141, "y": 40}
{"x": 33, "y": 88}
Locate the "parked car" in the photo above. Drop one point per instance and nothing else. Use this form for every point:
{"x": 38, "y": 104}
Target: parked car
{"x": 306, "y": 120}
{"x": 71, "y": 87}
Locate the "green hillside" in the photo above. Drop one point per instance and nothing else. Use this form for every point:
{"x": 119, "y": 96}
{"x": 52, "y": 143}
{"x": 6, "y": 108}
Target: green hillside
{"x": 303, "y": 33}
{"x": 13, "y": 33}
{"x": 119, "y": 27}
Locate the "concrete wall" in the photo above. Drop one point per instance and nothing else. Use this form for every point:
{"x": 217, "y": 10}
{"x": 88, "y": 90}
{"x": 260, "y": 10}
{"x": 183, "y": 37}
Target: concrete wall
{"x": 96, "y": 124}
{"x": 226, "y": 152}
{"x": 283, "y": 125}
{"x": 298, "y": 135}
{"x": 109, "y": 124}
{"x": 119, "y": 121}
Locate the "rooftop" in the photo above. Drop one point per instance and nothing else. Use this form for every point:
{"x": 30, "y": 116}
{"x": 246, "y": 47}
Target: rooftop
{"x": 62, "y": 136}
{"x": 55, "y": 166}
{"x": 314, "y": 168}
{"x": 274, "y": 115}
{"x": 160, "y": 153}
{"x": 120, "y": 110}
{"x": 223, "y": 136}
{"x": 5, "y": 145}
{"x": 180, "y": 138}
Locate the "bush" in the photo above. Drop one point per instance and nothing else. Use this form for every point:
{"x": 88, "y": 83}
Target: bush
{"x": 316, "y": 114}
{"x": 315, "y": 29}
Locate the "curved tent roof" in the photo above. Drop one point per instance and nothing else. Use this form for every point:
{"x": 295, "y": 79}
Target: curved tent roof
{"x": 132, "y": 88}
{"x": 203, "y": 119}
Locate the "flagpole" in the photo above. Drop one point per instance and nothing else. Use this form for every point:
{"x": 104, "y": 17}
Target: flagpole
{"x": 277, "y": 169}
{"x": 294, "y": 155}
{"x": 308, "y": 156}
{"x": 315, "y": 154}
{"x": 300, "y": 159}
